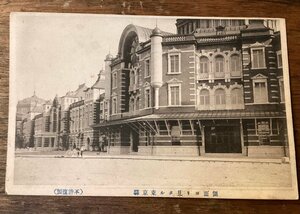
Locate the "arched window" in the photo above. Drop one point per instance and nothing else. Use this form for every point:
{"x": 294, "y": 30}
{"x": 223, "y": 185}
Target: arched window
{"x": 236, "y": 96}
{"x": 219, "y": 66}
{"x": 235, "y": 69}
{"x": 220, "y": 99}
{"x": 203, "y": 67}
{"x": 204, "y": 97}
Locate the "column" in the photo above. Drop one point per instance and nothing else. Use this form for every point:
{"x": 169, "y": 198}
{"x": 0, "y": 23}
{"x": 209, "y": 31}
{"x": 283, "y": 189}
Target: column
{"x": 43, "y": 142}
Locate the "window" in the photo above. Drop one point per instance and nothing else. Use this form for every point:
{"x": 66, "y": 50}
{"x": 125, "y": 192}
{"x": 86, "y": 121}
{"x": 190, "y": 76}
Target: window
{"x": 174, "y": 64}
{"x": 137, "y": 76}
{"x": 91, "y": 113}
{"x": 258, "y": 58}
{"x": 275, "y": 126}
{"x": 174, "y": 95}
{"x": 260, "y": 91}
{"x": 194, "y": 25}
{"x": 236, "y": 96}
{"x": 219, "y": 66}
{"x": 203, "y": 67}
{"x": 137, "y": 104}
{"x": 279, "y": 59}
{"x": 281, "y": 86}
{"x": 220, "y": 98}
{"x": 147, "y": 98}
{"x": 132, "y": 104}
{"x": 132, "y": 78}
{"x": 204, "y": 97}
{"x": 114, "y": 105}
{"x": 235, "y": 65}
{"x": 114, "y": 80}
{"x": 147, "y": 68}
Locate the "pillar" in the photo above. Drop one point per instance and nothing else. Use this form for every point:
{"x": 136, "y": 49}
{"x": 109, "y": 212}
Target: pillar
{"x": 242, "y": 138}
{"x": 156, "y": 63}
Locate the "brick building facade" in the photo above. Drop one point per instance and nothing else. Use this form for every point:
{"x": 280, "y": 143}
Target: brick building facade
{"x": 214, "y": 87}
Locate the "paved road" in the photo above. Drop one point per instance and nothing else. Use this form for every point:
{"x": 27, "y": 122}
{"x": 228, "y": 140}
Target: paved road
{"x": 122, "y": 172}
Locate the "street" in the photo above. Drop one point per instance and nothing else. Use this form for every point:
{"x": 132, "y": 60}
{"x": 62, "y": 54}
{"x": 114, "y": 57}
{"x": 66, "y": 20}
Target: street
{"x": 36, "y": 170}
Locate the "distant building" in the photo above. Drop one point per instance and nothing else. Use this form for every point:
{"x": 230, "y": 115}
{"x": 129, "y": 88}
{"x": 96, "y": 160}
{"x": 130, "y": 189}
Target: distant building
{"x": 84, "y": 114}
{"x": 30, "y": 106}
{"x": 76, "y": 135}
{"x": 27, "y": 109}
{"x": 52, "y": 126}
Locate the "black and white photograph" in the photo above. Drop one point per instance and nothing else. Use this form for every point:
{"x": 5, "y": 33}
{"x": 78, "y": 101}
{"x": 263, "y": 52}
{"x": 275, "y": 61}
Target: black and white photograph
{"x": 149, "y": 106}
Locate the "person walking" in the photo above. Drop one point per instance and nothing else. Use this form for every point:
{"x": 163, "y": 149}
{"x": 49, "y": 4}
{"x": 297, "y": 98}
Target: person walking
{"x": 82, "y": 149}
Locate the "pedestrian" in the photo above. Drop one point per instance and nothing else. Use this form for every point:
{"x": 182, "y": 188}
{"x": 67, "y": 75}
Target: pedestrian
{"x": 101, "y": 145}
{"x": 77, "y": 150}
{"x": 82, "y": 150}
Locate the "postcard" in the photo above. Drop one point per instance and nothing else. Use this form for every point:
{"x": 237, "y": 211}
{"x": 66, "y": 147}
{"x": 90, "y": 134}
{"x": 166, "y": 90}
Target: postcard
{"x": 150, "y": 106}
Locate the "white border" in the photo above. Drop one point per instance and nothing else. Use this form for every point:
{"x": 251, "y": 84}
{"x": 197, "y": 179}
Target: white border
{"x": 228, "y": 192}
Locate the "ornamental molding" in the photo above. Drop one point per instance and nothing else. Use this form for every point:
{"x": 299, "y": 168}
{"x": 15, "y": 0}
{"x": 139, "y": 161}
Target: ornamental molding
{"x": 259, "y": 76}
{"x": 173, "y": 81}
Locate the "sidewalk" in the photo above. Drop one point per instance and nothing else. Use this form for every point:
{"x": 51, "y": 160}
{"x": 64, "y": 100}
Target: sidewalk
{"x": 104, "y": 155}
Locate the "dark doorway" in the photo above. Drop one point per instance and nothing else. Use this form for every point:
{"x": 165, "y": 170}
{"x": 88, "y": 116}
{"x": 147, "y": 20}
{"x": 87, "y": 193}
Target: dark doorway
{"x": 88, "y": 144}
{"x": 223, "y": 139}
{"x": 175, "y": 135}
{"x": 52, "y": 142}
{"x": 135, "y": 141}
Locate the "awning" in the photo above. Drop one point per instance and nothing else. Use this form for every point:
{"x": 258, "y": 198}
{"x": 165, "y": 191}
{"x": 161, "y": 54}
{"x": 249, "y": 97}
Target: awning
{"x": 201, "y": 115}
{"x": 218, "y": 114}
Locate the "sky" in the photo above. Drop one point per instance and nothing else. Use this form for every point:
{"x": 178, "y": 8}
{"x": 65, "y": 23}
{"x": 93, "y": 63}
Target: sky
{"x": 54, "y": 53}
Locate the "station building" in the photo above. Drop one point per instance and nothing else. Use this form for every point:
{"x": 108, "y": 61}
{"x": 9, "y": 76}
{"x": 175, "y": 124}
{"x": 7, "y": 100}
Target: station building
{"x": 214, "y": 87}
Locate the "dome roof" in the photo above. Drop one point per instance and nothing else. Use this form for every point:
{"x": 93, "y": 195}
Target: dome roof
{"x": 109, "y": 57}
{"x": 32, "y": 99}
{"x": 156, "y": 31}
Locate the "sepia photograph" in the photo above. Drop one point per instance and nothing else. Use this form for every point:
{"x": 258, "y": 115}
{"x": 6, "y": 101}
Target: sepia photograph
{"x": 149, "y": 106}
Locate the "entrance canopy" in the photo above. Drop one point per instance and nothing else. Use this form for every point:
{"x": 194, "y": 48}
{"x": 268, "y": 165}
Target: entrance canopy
{"x": 221, "y": 114}
{"x": 201, "y": 115}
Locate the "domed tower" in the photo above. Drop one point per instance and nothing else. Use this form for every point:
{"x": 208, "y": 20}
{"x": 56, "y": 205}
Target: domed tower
{"x": 107, "y": 75}
{"x": 156, "y": 63}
